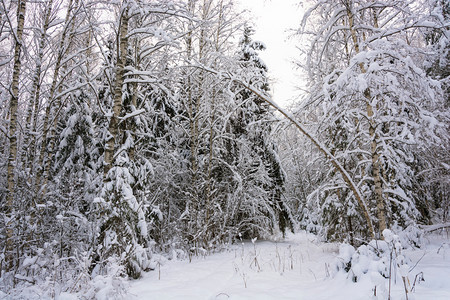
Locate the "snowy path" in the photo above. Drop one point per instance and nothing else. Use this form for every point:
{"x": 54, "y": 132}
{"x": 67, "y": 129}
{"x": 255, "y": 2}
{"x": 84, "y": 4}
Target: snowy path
{"x": 296, "y": 269}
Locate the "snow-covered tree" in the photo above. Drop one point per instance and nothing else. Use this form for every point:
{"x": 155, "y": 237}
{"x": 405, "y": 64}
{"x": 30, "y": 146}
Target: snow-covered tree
{"x": 9, "y": 217}
{"x": 373, "y": 103}
{"x": 252, "y": 126}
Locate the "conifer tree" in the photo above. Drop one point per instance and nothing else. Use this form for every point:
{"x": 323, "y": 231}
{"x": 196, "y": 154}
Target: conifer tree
{"x": 253, "y": 126}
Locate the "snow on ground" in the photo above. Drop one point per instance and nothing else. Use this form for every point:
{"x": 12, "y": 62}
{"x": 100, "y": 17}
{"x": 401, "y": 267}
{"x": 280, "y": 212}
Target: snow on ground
{"x": 297, "y": 268}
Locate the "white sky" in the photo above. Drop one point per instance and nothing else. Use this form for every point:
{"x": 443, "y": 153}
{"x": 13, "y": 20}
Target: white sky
{"x": 273, "y": 19}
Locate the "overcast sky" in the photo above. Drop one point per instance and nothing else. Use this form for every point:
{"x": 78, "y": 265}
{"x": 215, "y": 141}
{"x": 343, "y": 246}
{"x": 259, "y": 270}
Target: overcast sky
{"x": 273, "y": 19}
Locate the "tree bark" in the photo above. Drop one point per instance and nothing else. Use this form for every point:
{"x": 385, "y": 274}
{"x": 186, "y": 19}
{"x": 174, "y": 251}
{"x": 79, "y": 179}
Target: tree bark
{"x": 113, "y": 127}
{"x": 378, "y": 187}
{"x": 192, "y": 203}
{"x": 13, "y": 105}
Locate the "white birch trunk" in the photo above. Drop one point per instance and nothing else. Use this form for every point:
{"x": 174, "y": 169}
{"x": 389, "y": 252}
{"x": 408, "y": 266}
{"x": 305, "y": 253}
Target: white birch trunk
{"x": 113, "y": 127}
{"x": 13, "y": 105}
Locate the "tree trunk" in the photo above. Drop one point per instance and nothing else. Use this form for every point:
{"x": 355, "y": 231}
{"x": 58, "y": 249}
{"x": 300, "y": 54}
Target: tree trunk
{"x": 192, "y": 203}
{"x": 134, "y": 96}
{"x": 113, "y": 127}
{"x": 381, "y": 210}
{"x": 210, "y": 161}
{"x": 13, "y": 105}
{"x": 378, "y": 189}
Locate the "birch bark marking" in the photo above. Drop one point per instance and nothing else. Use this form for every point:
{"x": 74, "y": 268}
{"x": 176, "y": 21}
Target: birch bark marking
{"x": 134, "y": 89}
{"x": 113, "y": 127}
{"x": 12, "y": 133}
{"x": 375, "y": 157}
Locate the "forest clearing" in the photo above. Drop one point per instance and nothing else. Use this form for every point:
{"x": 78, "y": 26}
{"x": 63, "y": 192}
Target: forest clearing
{"x": 144, "y": 151}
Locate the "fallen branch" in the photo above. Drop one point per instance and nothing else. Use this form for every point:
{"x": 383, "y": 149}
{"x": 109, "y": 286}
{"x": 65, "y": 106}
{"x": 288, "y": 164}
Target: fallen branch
{"x": 434, "y": 227}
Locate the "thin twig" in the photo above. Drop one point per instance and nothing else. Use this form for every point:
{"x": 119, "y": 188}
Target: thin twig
{"x": 417, "y": 262}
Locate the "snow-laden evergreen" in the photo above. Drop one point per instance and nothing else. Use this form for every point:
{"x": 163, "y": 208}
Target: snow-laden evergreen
{"x": 377, "y": 110}
{"x": 137, "y": 132}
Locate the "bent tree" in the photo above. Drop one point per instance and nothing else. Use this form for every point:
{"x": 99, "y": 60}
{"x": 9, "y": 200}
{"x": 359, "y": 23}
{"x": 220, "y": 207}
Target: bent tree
{"x": 320, "y": 146}
{"x": 373, "y": 103}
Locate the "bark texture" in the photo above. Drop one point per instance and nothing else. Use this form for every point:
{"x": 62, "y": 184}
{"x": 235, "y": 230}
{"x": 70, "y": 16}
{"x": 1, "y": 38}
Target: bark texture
{"x": 375, "y": 157}
{"x": 113, "y": 127}
{"x": 13, "y": 105}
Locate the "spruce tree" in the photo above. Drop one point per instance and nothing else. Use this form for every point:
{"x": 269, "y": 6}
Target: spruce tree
{"x": 252, "y": 125}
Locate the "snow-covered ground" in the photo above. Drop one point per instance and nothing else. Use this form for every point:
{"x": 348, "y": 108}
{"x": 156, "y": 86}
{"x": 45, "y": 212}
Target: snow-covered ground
{"x": 299, "y": 267}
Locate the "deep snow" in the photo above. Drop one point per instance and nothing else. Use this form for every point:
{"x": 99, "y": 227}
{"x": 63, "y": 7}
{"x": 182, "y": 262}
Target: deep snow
{"x": 299, "y": 267}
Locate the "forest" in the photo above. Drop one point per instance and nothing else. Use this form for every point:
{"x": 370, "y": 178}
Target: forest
{"x": 131, "y": 129}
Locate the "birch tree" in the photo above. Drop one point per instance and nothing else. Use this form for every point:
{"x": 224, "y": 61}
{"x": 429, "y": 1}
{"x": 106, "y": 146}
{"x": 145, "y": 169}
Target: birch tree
{"x": 145, "y": 35}
{"x": 363, "y": 100}
{"x": 12, "y": 134}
